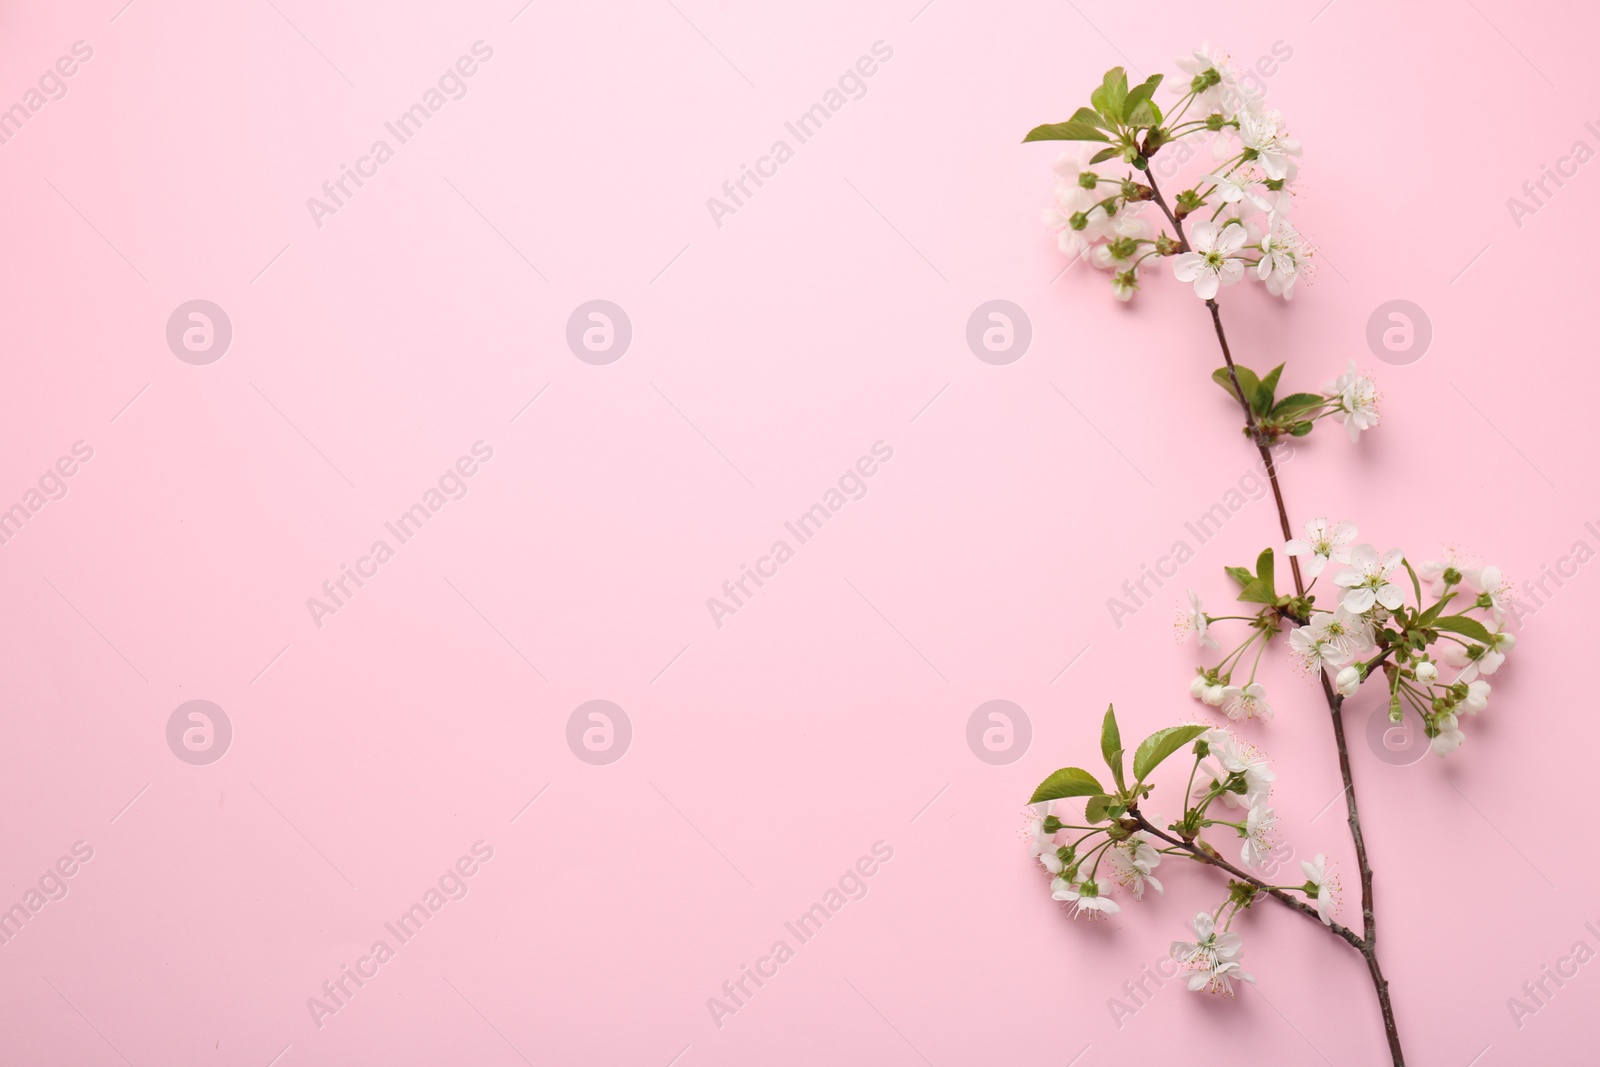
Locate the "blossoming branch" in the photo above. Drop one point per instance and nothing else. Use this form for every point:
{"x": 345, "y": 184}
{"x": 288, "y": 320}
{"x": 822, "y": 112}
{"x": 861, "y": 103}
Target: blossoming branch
{"x": 1430, "y": 633}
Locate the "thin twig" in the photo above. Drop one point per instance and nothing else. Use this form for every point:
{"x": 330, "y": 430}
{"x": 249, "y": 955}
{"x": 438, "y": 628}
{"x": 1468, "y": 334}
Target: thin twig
{"x": 1367, "y": 943}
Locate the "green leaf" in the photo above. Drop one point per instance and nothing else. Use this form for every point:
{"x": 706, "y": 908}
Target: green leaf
{"x": 1104, "y": 154}
{"x": 1298, "y": 402}
{"x": 1416, "y": 583}
{"x": 1140, "y": 108}
{"x": 1463, "y": 625}
{"x": 1111, "y": 745}
{"x": 1300, "y": 429}
{"x": 1265, "y": 571}
{"x": 1095, "y": 810}
{"x": 1090, "y": 117}
{"x": 1161, "y": 744}
{"x": 1427, "y": 617}
{"x": 1258, "y": 592}
{"x": 1241, "y": 575}
{"x": 1071, "y": 130}
{"x": 1109, "y": 98}
{"x": 1264, "y": 392}
{"x": 1146, "y": 114}
{"x": 1067, "y": 782}
{"x": 1247, "y": 380}
{"x": 1142, "y": 93}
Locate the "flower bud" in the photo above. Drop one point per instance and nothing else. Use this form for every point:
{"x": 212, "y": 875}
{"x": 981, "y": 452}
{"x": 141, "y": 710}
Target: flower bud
{"x": 1348, "y": 680}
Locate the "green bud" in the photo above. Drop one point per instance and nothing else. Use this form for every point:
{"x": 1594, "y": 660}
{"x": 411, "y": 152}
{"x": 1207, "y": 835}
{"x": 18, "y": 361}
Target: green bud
{"x": 1088, "y": 179}
{"x": 1052, "y": 824}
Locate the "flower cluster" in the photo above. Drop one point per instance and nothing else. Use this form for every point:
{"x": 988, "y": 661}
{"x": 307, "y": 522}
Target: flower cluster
{"x": 1243, "y": 200}
{"x": 1115, "y": 844}
{"x": 1386, "y": 616}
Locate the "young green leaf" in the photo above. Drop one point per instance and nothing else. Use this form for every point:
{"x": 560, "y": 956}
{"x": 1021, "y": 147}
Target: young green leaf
{"x": 1140, "y": 94}
{"x": 1095, "y": 810}
{"x": 1264, "y": 573}
{"x": 1427, "y": 617}
{"x": 1111, "y": 745}
{"x": 1140, "y": 108}
{"x": 1067, "y": 782}
{"x": 1161, "y": 744}
{"x": 1241, "y": 575}
{"x": 1247, "y": 380}
{"x": 1146, "y": 114}
{"x": 1295, "y": 403}
{"x": 1416, "y": 583}
{"x": 1089, "y": 116}
{"x": 1108, "y": 99}
{"x": 1071, "y": 130}
{"x": 1463, "y": 625}
{"x": 1104, "y": 154}
{"x": 1262, "y": 401}
{"x": 1258, "y": 592}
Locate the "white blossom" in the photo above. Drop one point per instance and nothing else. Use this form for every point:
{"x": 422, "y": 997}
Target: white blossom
{"x": 1262, "y": 132}
{"x": 1194, "y": 622}
{"x": 1367, "y": 580}
{"x": 1249, "y": 702}
{"x": 1214, "y": 261}
{"x": 1357, "y": 396}
{"x": 1449, "y": 737}
{"x": 1213, "y": 956}
{"x": 1084, "y": 897}
{"x": 1260, "y": 823}
{"x": 1323, "y": 542}
{"x": 1282, "y": 252}
{"x": 1132, "y": 861}
{"x": 1327, "y": 886}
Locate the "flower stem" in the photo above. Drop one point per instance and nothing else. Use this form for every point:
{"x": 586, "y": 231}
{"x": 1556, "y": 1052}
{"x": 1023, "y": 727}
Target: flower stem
{"x": 1367, "y": 943}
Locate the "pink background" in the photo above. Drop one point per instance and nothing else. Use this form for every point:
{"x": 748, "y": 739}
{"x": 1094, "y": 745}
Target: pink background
{"x": 768, "y": 354}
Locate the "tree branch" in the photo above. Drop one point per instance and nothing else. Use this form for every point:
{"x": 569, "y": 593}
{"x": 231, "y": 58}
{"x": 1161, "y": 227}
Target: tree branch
{"x": 1368, "y": 942}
